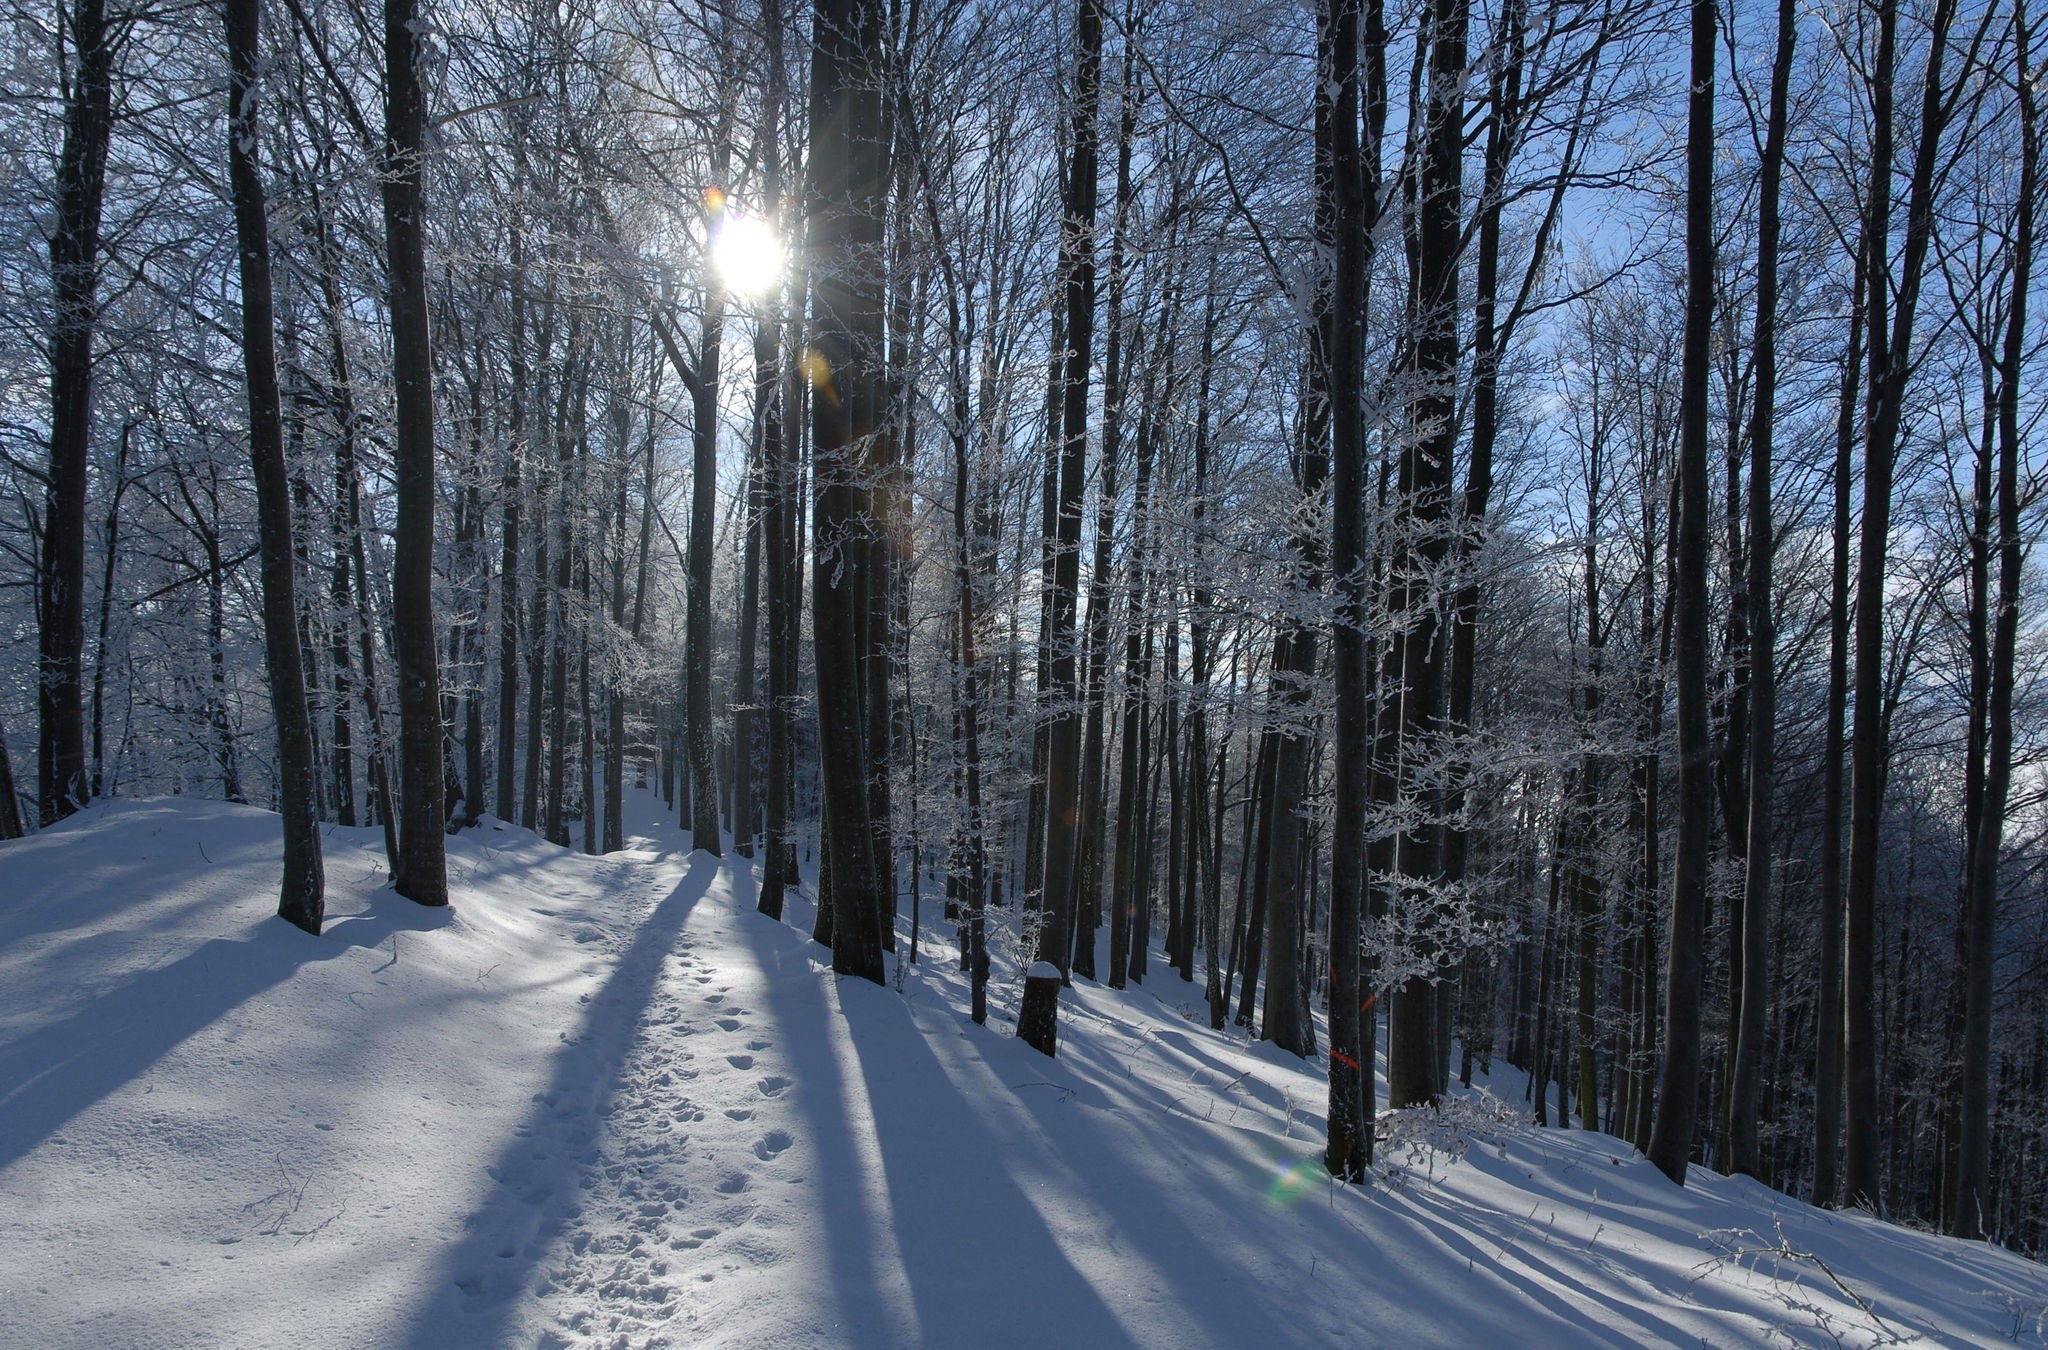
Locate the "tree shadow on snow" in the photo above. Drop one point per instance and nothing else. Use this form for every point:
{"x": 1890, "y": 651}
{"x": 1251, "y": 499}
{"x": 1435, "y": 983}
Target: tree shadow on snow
{"x": 61, "y": 1068}
{"x": 977, "y": 1256}
{"x": 483, "y": 1279}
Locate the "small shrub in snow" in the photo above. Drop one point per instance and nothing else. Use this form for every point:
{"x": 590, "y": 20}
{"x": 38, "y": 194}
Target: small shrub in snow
{"x": 1450, "y": 1130}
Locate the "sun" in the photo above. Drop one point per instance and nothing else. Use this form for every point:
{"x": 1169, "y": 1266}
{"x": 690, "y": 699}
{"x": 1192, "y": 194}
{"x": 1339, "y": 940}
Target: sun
{"x": 749, "y": 258}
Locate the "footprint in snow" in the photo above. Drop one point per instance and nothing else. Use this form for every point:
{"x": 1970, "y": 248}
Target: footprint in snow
{"x": 729, "y": 1023}
{"x": 759, "y": 1045}
{"x": 733, "y": 1184}
{"x": 740, "y": 1061}
{"x": 772, "y": 1085}
{"x": 772, "y": 1144}
{"x": 738, "y": 1113}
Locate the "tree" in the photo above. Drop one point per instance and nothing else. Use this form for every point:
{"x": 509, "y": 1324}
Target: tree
{"x": 1747, "y": 1079}
{"x": 1077, "y": 276}
{"x": 703, "y": 497}
{"x": 1890, "y": 343}
{"x": 845, "y": 184}
{"x": 422, "y": 864}
{"x": 1973, "y": 1197}
{"x": 1347, "y": 182}
{"x": 1678, "y": 1080}
{"x": 301, "y": 897}
{"x": 74, "y": 276}
{"x": 1413, "y": 1076}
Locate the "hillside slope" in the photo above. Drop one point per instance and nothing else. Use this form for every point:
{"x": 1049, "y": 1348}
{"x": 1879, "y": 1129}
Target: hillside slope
{"x": 604, "y": 1102}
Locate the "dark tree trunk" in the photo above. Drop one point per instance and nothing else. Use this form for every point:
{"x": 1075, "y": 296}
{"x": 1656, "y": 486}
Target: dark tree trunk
{"x": 1198, "y": 864}
{"x": 1077, "y": 276}
{"x": 538, "y": 630}
{"x": 846, "y": 183}
{"x": 615, "y": 695}
{"x": 976, "y": 898}
{"x": 779, "y": 513}
{"x": 1546, "y": 966}
{"x": 1746, "y": 1085}
{"x": 1292, "y": 683}
{"x": 1972, "y": 1209}
{"x": 1585, "y": 858}
{"x": 1678, "y": 1083}
{"x": 697, "y": 613}
{"x": 508, "y": 564}
{"x": 569, "y": 501}
{"x": 779, "y": 510}
{"x": 1347, "y": 182}
{"x": 743, "y": 684}
{"x": 1129, "y": 892}
{"x": 111, "y": 542}
{"x": 10, "y": 802}
{"x": 352, "y": 568}
{"x": 423, "y": 865}
{"x": 1425, "y": 490}
{"x": 1827, "y": 1102}
{"x": 465, "y": 644}
{"x": 1890, "y": 348}
{"x": 301, "y": 898}
{"x": 1094, "y": 791}
{"x": 74, "y": 279}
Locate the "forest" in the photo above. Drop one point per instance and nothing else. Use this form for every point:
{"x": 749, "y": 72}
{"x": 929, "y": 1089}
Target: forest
{"x": 1495, "y": 530}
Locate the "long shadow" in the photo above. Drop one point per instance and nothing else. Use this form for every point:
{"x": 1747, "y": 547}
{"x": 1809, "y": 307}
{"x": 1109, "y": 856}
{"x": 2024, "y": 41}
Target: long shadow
{"x": 1220, "y": 1297}
{"x": 58, "y": 1070}
{"x": 1613, "y": 1317}
{"x": 967, "y": 1256}
{"x": 482, "y": 1278}
{"x": 87, "y": 882}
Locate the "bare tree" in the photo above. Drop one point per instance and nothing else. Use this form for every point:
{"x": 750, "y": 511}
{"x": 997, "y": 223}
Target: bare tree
{"x": 301, "y": 900}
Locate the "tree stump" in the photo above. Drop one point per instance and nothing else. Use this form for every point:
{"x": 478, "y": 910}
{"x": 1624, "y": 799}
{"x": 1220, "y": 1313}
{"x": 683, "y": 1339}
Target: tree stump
{"x": 1038, "y": 1023}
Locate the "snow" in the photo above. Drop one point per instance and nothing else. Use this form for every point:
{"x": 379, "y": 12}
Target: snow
{"x": 605, "y": 1102}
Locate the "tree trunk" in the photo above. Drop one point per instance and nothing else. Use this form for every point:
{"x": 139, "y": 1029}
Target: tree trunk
{"x": 10, "y": 801}
{"x": 1077, "y": 275}
{"x": 1971, "y": 1211}
{"x": 1678, "y": 1083}
{"x": 846, "y": 182}
{"x": 538, "y": 636}
{"x": 1094, "y": 792}
{"x": 99, "y": 659}
{"x": 74, "y": 280}
{"x": 1425, "y": 492}
{"x": 779, "y": 507}
{"x": 1828, "y": 1033}
{"x": 1890, "y": 349}
{"x": 423, "y": 866}
{"x": 301, "y": 898}
{"x": 508, "y": 565}
{"x": 1746, "y": 1087}
{"x": 697, "y": 612}
{"x": 743, "y": 685}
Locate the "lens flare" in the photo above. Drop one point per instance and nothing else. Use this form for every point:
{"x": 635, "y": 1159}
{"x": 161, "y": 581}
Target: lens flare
{"x": 1294, "y": 1184}
{"x": 748, "y": 256}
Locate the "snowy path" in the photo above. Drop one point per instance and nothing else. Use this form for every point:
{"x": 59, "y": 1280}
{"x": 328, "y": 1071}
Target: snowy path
{"x": 679, "y": 1175}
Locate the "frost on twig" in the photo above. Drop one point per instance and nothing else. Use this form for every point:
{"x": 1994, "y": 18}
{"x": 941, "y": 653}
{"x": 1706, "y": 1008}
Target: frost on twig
{"x": 1449, "y": 1130}
{"x": 1751, "y": 1252}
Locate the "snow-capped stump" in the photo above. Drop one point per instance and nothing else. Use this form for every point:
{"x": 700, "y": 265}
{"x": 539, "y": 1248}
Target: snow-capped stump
{"x": 1038, "y": 1021}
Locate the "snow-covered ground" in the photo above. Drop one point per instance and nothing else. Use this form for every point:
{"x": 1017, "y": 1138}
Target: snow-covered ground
{"x": 604, "y": 1102}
